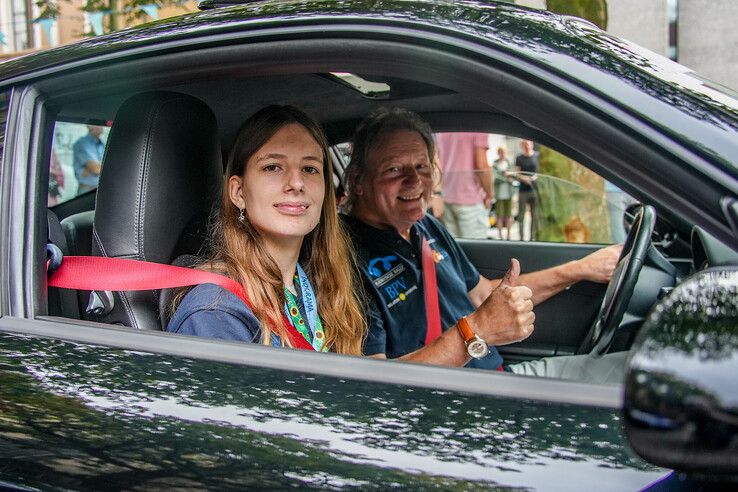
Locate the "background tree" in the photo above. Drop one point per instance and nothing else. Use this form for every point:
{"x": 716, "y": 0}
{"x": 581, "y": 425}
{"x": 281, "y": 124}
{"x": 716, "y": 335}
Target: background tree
{"x": 117, "y": 11}
{"x": 559, "y": 201}
{"x": 593, "y": 10}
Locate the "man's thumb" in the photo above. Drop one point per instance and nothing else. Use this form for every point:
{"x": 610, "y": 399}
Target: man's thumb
{"x": 511, "y": 277}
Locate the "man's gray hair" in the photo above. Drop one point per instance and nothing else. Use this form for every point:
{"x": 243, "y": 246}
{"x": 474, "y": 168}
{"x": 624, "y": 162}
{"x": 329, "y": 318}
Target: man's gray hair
{"x": 376, "y": 125}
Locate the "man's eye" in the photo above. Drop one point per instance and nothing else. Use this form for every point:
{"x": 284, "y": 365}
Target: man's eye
{"x": 392, "y": 171}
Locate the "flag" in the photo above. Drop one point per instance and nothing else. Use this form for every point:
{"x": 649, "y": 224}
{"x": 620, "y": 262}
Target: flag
{"x": 96, "y": 22}
{"x": 152, "y": 10}
{"x": 47, "y": 25}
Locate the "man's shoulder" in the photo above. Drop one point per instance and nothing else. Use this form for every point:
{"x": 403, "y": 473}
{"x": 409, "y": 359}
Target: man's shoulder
{"x": 433, "y": 228}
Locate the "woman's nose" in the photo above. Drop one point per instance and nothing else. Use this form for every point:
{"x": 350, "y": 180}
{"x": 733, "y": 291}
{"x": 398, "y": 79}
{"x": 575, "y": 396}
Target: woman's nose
{"x": 295, "y": 180}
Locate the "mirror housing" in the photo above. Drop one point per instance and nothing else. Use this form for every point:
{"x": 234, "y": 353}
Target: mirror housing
{"x": 681, "y": 384}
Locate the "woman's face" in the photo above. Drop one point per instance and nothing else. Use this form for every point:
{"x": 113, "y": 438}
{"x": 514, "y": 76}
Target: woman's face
{"x": 283, "y": 185}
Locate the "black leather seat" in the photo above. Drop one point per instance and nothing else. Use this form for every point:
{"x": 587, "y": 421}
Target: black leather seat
{"x": 78, "y": 232}
{"x": 162, "y": 174}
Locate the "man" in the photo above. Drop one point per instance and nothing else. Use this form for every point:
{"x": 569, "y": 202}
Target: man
{"x": 390, "y": 182}
{"x": 467, "y": 183}
{"x": 88, "y": 156}
{"x": 526, "y": 167}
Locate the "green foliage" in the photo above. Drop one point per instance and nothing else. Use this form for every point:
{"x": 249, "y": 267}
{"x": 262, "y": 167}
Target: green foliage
{"x": 115, "y": 10}
{"x": 573, "y": 192}
{"x": 593, "y": 10}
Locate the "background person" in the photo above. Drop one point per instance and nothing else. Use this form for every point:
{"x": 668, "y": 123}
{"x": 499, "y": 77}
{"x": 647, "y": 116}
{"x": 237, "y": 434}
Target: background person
{"x": 88, "y": 154}
{"x": 278, "y": 235}
{"x": 502, "y": 172}
{"x": 467, "y": 183}
{"x": 526, "y": 167}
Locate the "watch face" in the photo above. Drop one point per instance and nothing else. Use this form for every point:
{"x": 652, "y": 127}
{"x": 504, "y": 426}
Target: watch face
{"x": 477, "y": 348}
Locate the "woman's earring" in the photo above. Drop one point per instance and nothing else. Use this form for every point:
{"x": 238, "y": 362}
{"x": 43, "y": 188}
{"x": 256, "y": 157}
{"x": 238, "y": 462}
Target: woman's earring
{"x": 241, "y": 217}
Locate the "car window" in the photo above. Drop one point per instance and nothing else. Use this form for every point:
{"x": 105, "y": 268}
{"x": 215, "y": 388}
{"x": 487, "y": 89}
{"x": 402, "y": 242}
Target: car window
{"x": 566, "y": 202}
{"x": 76, "y": 158}
{"x": 536, "y": 194}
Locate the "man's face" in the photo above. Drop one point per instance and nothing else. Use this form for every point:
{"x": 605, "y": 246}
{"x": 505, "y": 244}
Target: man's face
{"x": 527, "y": 147}
{"x": 398, "y": 182}
{"x": 95, "y": 130}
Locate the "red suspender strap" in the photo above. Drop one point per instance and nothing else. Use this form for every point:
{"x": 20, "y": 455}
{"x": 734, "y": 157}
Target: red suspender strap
{"x": 118, "y": 274}
{"x": 432, "y": 312}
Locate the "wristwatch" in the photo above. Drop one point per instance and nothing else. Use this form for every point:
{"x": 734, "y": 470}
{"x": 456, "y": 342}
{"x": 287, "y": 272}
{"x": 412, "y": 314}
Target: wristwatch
{"x": 475, "y": 346}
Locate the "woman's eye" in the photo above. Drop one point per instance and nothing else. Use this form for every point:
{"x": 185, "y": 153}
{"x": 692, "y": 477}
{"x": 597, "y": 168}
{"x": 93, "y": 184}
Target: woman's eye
{"x": 271, "y": 167}
{"x": 311, "y": 170}
{"x": 392, "y": 171}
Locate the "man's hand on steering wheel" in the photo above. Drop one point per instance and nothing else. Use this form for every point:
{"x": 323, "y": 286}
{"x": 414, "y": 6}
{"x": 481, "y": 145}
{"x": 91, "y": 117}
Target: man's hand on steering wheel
{"x": 600, "y": 265}
{"x": 623, "y": 281}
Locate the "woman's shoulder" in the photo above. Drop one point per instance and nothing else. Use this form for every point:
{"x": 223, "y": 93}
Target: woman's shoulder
{"x": 212, "y": 297}
{"x": 210, "y": 310}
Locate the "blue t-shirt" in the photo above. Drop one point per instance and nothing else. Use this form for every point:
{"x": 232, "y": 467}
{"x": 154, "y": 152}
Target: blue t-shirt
{"x": 87, "y": 148}
{"x": 392, "y": 273}
{"x": 209, "y": 310}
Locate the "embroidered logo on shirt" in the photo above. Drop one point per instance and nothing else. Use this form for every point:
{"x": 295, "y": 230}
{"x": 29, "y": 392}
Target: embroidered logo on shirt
{"x": 389, "y": 280}
{"x": 379, "y": 265}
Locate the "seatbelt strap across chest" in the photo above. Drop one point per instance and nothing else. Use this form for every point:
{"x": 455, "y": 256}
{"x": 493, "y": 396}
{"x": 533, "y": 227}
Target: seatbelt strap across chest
{"x": 430, "y": 287}
{"x": 119, "y": 274}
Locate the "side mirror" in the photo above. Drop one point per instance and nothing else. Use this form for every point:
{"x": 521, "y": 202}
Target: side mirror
{"x": 681, "y": 385}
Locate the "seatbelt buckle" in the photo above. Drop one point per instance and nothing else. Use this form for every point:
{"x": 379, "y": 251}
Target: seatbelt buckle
{"x": 54, "y": 257}
{"x": 101, "y": 302}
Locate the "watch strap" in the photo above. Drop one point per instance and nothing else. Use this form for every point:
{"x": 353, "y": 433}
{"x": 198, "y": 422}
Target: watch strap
{"x": 465, "y": 330}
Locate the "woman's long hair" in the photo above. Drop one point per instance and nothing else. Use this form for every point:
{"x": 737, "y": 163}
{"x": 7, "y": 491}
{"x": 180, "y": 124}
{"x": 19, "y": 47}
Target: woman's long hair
{"x": 237, "y": 251}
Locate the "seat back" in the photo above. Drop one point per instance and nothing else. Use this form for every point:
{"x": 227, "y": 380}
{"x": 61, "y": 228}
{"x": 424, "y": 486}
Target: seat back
{"x": 61, "y": 302}
{"x": 78, "y": 232}
{"x": 162, "y": 173}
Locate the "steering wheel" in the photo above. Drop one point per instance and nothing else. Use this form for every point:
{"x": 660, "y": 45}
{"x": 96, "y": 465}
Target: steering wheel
{"x": 623, "y": 281}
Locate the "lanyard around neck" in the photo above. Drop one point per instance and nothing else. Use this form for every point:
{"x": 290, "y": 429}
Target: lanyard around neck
{"x": 312, "y": 330}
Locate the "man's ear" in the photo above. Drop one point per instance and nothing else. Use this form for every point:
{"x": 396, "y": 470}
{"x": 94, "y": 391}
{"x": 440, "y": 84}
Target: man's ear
{"x": 235, "y": 191}
{"x": 353, "y": 180}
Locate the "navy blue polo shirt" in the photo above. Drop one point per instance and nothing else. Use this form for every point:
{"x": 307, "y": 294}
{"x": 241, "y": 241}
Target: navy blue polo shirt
{"x": 392, "y": 274}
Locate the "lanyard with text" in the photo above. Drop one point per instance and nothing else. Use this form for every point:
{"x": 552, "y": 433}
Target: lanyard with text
{"x": 313, "y": 332}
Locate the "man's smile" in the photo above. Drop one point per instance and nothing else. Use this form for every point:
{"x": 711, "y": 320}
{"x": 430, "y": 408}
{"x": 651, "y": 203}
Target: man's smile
{"x": 410, "y": 198}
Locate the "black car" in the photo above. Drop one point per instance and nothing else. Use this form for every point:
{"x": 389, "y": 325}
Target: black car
{"x": 93, "y": 395}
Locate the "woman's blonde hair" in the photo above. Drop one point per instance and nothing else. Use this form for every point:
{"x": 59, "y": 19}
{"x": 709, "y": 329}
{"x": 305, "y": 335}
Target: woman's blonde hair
{"x": 237, "y": 249}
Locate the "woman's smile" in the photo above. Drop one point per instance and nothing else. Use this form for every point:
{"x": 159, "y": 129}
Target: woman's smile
{"x": 292, "y": 208}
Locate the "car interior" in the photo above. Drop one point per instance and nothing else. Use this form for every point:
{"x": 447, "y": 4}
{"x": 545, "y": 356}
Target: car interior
{"x": 175, "y": 116}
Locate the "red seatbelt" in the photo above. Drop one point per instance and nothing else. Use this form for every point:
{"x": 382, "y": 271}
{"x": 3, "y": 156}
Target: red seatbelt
{"x": 118, "y": 274}
{"x": 432, "y": 312}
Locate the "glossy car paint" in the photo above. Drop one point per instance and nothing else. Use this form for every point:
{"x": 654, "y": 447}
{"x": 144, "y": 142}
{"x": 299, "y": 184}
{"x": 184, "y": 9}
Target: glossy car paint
{"x": 82, "y": 415}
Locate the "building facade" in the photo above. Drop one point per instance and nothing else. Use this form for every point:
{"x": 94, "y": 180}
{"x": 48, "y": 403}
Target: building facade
{"x": 699, "y": 34}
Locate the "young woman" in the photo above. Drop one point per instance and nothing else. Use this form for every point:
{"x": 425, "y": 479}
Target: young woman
{"x": 278, "y": 235}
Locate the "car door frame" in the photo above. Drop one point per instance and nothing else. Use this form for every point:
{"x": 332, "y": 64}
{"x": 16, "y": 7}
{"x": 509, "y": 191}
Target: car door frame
{"x": 23, "y": 270}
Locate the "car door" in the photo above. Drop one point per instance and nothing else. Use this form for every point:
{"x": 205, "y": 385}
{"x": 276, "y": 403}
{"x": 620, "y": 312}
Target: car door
{"x": 117, "y": 404}
{"x": 572, "y": 215}
{"x": 88, "y": 406}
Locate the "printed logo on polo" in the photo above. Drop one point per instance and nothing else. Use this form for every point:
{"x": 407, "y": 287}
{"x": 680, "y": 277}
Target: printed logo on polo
{"x": 439, "y": 254}
{"x": 379, "y": 265}
{"x": 389, "y": 280}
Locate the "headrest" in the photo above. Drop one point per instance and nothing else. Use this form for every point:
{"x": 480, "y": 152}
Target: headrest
{"x": 162, "y": 168}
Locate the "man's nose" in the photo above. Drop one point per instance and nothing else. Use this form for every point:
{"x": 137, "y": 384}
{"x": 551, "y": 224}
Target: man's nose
{"x": 410, "y": 174}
